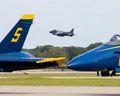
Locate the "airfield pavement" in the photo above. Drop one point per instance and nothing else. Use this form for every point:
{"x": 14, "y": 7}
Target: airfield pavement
{"x": 58, "y": 91}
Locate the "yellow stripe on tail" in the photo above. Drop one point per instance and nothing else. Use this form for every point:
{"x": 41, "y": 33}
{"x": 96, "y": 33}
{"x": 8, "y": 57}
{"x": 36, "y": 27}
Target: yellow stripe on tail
{"x": 28, "y": 17}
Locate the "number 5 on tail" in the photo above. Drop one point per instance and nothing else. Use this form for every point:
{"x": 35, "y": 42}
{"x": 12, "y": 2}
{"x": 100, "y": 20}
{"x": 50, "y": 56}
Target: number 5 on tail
{"x": 17, "y": 35}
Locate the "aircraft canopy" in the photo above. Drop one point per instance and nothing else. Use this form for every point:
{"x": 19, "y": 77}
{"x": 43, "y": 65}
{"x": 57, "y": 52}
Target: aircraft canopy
{"x": 115, "y": 40}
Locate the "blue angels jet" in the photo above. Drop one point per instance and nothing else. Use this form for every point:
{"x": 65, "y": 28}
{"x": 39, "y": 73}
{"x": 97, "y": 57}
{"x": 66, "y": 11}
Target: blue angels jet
{"x": 62, "y": 33}
{"x": 105, "y": 58}
{"x": 11, "y": 57}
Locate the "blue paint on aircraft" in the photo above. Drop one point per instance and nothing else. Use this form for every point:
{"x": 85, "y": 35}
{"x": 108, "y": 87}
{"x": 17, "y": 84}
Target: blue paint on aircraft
{"x": 11, "y": 57}
{"x": 104, "y": 57}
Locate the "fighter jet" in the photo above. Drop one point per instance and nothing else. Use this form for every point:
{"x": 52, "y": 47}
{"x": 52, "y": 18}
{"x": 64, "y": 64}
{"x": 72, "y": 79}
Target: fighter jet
{"x": 11, "y": 56}
{"x": 62, "y": 33}
{"x": 105, "y": 58}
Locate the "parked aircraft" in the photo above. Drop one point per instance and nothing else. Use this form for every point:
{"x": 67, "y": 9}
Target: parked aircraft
{"x": 11, "y": 57}
{"x": 62, "y": 33}
{"x": 105, "y": 58}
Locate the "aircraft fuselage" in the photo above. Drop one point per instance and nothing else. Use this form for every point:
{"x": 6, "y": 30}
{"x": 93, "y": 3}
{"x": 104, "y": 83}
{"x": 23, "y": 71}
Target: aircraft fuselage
{"x": 21, "y": 61}
{"x": 96, "y": 59}
{"x": 103, "y": 58}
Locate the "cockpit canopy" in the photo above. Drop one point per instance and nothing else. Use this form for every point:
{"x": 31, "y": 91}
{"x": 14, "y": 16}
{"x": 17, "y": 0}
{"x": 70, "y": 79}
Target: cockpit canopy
{"x": 115, "y": 40}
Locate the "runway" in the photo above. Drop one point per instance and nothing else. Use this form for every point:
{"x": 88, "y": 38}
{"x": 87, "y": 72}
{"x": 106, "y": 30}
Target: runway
{"x": 58, "y": 91}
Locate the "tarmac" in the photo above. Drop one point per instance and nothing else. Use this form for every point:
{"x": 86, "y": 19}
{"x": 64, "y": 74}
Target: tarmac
{"x": 58, "y": 91}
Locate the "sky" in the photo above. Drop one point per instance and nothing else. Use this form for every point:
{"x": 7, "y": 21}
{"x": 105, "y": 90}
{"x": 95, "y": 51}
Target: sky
{"x": 92, "y": 20}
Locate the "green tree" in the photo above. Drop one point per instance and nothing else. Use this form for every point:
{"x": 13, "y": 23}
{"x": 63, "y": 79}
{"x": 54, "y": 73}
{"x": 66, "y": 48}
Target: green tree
{"x": 67, "y": 52}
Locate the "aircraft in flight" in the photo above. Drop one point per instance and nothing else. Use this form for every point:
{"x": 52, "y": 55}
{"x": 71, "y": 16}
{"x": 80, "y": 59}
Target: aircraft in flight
{"x": 105, "y": 58}
{"x": 11, "y": 57}
{"x": 62, "y": 33}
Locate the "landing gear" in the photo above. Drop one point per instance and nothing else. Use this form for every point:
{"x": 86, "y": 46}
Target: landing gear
{"x": 113, "y": 73}
{"x": 105, "y": 73}
{"x": 108, "y": 73}
{"x": 98, "y": 73}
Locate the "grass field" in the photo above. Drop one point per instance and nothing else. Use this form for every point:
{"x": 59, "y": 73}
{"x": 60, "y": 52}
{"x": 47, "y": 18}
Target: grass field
{"x": 57, "y": 79}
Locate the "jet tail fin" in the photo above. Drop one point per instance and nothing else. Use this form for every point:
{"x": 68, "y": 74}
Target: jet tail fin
{"x": 71, "y": 33}
{"x": 72, "y": 30}
{"x": 14, "y": 41}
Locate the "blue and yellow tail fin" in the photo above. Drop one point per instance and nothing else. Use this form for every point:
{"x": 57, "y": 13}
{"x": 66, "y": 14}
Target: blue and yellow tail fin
{"x": 14, "y": 41}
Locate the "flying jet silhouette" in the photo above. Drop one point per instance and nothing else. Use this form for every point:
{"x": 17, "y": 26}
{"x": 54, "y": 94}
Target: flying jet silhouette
{"x": 62, "y": 33}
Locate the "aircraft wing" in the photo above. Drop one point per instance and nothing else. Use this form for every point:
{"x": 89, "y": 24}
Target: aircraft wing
{"x": 14, "y": 64}
{"x": 50, "y": 60}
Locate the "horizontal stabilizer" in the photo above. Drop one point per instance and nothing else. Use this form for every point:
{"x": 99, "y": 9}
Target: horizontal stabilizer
{"x": 58, "y": 60}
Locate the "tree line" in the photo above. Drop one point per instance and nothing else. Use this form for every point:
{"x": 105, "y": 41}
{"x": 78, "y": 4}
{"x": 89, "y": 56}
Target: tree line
{"x": 67, "y": 52}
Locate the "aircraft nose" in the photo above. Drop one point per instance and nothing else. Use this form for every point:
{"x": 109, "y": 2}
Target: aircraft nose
{"x": 73, "y": 65}
{"x": 80, "y": 63}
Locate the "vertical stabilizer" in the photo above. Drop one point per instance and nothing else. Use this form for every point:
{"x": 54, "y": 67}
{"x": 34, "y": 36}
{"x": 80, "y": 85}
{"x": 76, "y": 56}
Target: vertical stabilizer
{"x": 72, "y": 30}
{"x": 15, "y": 39}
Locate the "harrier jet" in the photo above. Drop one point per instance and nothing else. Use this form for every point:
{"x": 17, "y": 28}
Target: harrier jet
{"x": 62, "y": 33}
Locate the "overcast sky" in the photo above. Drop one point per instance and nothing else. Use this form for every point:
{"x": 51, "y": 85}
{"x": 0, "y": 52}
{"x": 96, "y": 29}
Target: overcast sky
{"x": 93, "y": 20}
